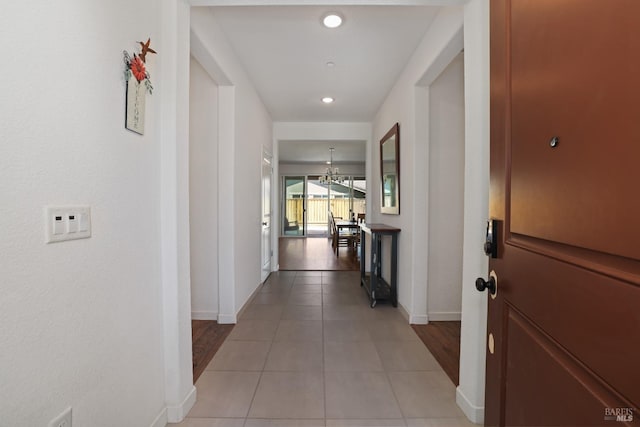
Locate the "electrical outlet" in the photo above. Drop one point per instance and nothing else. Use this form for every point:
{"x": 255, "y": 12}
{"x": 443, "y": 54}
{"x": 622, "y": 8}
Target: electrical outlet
{"x": 62, "y": 420}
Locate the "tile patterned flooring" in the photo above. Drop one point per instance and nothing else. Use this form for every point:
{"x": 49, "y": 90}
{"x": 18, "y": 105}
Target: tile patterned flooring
{"x": 308, "y": 351}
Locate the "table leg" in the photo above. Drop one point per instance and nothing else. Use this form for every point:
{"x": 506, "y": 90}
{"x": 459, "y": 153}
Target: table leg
{"x": 362, "y": 257}
{"x": 394, "y": 269}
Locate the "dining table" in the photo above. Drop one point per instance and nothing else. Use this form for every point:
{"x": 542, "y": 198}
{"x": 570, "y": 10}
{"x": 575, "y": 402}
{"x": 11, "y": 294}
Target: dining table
{"x": 352, "y": 226}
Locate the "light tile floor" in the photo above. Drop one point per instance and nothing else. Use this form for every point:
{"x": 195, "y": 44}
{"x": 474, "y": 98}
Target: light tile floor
{"x": 308, "y": 351}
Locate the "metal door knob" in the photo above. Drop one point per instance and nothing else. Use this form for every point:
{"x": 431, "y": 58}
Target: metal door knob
{"x": 490, "y": 284}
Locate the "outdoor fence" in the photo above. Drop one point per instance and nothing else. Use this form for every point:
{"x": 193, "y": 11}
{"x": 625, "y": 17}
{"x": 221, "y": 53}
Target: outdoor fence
{"x": 317, "y": 209}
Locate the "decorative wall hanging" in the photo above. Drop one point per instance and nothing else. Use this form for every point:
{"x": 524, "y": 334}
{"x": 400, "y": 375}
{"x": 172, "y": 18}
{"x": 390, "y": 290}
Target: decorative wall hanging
{"x": 138, "y": 83}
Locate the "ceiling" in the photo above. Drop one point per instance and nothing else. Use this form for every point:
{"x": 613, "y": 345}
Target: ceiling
{"x": 318, "y": 151}
{"x": 285, "y": 51}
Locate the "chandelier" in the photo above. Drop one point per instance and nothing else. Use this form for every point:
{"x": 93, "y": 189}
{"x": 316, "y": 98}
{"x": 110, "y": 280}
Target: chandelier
{"x": 332, "y": 174}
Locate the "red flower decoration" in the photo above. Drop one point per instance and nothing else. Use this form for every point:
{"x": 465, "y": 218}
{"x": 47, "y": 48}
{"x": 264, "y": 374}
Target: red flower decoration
{"x": 138, "y": 69}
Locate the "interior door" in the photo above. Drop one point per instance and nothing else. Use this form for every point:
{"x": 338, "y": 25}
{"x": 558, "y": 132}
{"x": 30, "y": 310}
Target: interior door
{"x": 564, "y": 326}
{"x": 267, "y": 172}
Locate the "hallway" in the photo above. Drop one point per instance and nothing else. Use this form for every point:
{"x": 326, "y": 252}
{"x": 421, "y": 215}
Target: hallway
{"x": 308, "y": 351}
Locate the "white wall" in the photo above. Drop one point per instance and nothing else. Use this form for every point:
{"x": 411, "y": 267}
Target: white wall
{"x": 253, "y": 131}
{"x": 403, "y": 106}
{"x": 81, "y": 320}
{"x": 240, "y": 155}
{"x": 203, "y": 192}
{"x": 470, "y": 392}
{"x": 446, "y": 192}
{"x": 180, "y": 394}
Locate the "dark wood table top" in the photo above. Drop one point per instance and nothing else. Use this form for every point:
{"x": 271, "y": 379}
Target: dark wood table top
{"x": 380, "y": 228}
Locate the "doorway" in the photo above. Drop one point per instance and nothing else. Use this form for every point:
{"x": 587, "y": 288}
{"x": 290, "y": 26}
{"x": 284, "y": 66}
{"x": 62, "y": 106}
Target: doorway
{"x": 307, "y": 201}
{"x": 267, "y": 252}
{"x": 203, "y": 193}
{"x": 446, "y": 193}
{"x": 443, "y": 110}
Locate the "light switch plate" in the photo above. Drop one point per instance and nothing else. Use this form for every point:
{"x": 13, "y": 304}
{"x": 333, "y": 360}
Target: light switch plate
{"x": 67, "y": 223}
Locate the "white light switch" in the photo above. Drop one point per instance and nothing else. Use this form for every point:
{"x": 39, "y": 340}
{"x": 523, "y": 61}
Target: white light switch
{"x": 83, "y": 222}
{"x": 72, "y": 222}
{"x": 67, "y": 223}
{"x": 58, "y": 224}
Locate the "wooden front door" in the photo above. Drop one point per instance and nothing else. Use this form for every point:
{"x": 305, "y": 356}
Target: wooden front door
{"x": 564, "y": 326}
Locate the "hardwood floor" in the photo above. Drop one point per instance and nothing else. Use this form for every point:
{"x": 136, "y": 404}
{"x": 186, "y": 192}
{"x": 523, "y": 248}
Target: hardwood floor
{"x": 315, "y": 253}
{"x": 443, "y": 341}
{"x": 207, "y": 337}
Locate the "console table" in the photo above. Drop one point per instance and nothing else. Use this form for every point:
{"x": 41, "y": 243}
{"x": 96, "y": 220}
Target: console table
{"x": 377, "y": 288}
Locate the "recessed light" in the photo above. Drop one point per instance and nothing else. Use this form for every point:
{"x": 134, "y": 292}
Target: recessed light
{"x": 332, "y": 20}
{"x": 331, "y": 64}
{"x": 327, "y": 100}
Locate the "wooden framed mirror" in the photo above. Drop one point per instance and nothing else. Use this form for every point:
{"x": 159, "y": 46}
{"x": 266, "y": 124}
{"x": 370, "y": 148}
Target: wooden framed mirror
{"x": 390, "y": 171}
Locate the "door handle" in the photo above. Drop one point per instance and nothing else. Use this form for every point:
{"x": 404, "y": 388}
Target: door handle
{"x": 265, "y": 224}
{"x": 482, "y": 284}
{"x": 491, "y": 284}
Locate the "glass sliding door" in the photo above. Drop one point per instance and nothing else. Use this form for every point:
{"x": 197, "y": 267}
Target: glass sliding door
{"x": 307, "y": 202}
{"x": 340, "y": 200}
{"x": 293, "y": 212}
{"x": 348, "y": 198}
{"x": 358, "y": 195}
{"x": 317, "y": 207}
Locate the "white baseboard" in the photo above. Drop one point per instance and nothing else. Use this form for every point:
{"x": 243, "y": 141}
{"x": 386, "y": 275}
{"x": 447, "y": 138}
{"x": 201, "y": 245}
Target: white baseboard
{"x": 475, "y": 414}
{"x": 227, "y": 319}
{"x": 176, "y": 414}
{"x": 248, "y": 301}
{"x": 413, "y": 319}
{"x": 445, "y": 316}
{"x": 419, "y": 319}
{"x": 204, "y": 315}
{"x": 161, "y": 419}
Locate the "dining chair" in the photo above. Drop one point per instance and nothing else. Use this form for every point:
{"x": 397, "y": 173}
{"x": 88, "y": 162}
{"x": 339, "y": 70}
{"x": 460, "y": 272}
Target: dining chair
{"x": 344, "y": 238}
